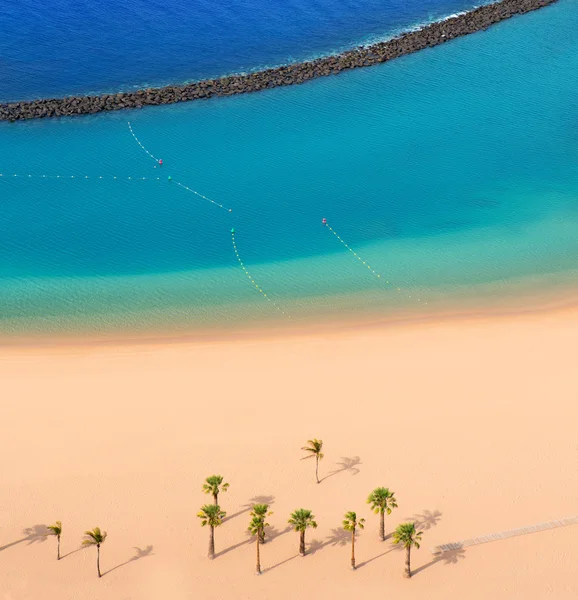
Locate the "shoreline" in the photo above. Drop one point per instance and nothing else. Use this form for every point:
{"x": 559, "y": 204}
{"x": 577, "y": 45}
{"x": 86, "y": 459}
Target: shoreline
{"x": 412, "y": 41}
{"x": 562, "y": 304}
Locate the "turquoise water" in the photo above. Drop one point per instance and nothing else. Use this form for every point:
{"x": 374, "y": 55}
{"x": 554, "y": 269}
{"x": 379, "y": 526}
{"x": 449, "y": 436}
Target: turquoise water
{"x": 451, "y": 171}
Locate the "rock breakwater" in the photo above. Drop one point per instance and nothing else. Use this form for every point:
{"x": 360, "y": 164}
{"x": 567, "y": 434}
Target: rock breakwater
{"x": 407, "y": 43}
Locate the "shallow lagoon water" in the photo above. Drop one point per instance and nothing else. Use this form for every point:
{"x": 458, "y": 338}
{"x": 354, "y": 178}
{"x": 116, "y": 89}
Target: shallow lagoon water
{"x": 449, "y": 171}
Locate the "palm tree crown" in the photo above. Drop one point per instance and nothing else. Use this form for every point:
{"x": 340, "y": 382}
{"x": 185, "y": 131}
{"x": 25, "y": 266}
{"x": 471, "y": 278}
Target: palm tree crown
{"x": 302, "y": 519}
{"x": 382, "y": 500}
{"x": 314, "y": 448}
{"x": 407, "y": 535}
{"x": 350, "y": 522}
{"x": 214, "y": 486}
{"x": 211, "y": 515}
{"x": 55, "y": 529}
{"x": 95, "y": 537}
{"x": 257, "y": 525}
{"x": 260, "y": 510}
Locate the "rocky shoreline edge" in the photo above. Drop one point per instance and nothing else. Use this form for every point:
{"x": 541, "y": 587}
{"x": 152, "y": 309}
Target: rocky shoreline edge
{"x": 407, "y": 43}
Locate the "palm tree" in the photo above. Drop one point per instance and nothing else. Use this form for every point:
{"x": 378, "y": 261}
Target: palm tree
{"x": 382, "y": 501}
{"x": 350, "y": 523}
{"x": 301, "y": 520}
{"x": 261, "y": 511}
{"x": 214, "y": 485}
{"x": 314, "y": 448}
{"x": 95, "y": 537}
{"x": 257, "y": 528}
{"x": 211, "y": 515}
{"x": 407, "y": 535}
{"x": 56, "y": 530}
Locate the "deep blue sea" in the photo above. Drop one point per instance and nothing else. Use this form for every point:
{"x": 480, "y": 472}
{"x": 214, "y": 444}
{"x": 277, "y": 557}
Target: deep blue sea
{"x": 61, "y": 47}
{"x": 451, "y": 173}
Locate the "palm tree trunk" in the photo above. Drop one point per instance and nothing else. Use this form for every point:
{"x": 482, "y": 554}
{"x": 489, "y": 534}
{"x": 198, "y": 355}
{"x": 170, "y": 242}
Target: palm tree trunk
{"x": 317, "y": 468}
{"x": 98, "y": 560}
{"x": 302, "y": 543}
{"x": 212, "y": 543}
{"x": 258, "y": 557}
{"x": 407, "y": 572}
{"x": 58, "y": 548}
{"x": 261, "y": 537}
{"x": 353, "y": 549}
{"x": 216, "y": 499}
{"x": 382, "y": 526}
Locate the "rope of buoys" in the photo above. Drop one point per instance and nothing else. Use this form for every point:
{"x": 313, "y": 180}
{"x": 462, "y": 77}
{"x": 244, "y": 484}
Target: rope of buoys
{"x": 157, "y": 160}
{"x": 160, "y": 162}
{"x": 257, "y": 286}
{"x": 107, "y": 177}
{"x": 361, "y": 260}
{"x": 203, "y": 197}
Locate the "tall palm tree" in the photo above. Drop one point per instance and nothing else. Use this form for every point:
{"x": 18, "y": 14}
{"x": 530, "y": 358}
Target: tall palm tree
{"x": 407, "y": 535}
{"x": 257, "y": 528}
{"x": 95, "y": 537}
{"x": 56, "y": 530}
{"x": 211, "y": 515}
{"x": 301, "y": 520}
{"x": 350, "y": 523}
{"x": 214, "y": 485}
{"x": 262, "y": 511}
{"x": 314, "y": 448}
{"x": 382, "y": 501}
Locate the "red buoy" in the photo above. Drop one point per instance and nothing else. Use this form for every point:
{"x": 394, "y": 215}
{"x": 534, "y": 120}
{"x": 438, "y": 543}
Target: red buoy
{"x": 324, "y": 221}
{"x": 160, "y": 161}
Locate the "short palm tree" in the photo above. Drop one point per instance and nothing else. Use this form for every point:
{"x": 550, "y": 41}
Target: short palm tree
{"x": 56, "y": 530}
{"x": 257, "y": 528}
{"x": 214, "y": 485}
{"x": 301, "y": 520}
{"x": 382, "y": 501}
{"x": 407, "y": 535}
{"x": 262, "y": 511}
{"x": 314, "y": 448}
{"x": 351, "y": 523}
{"x": 211, "y": 515}
{"x": 95, "y": 537}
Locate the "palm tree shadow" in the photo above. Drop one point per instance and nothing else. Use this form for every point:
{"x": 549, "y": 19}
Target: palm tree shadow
{"x": 369, "y": 560}
{"x": 273, "y": 533}
{"x": 451, "y": 557}
{"x": 249, "y": 505}
{"x": 338, "y": 537}
{"x": 280, "y": 563}
{"x": 426, "y": 519}
{"x": 230, "y": 548}
{"x": 345, "y": 464}
{"x": 139, "y": 553}
{"x": 36, "y": 533}
{"x": 73, "y": 551}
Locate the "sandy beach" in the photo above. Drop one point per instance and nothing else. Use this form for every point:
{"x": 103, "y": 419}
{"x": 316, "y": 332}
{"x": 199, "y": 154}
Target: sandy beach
{"x": 471, "y": 422}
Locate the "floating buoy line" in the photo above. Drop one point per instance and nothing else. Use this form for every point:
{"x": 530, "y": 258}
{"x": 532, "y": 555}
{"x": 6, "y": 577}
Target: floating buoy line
{"x": 80, "y": 177}
{"x": 250, "y": 277}
{"x": 359, "y": 258}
